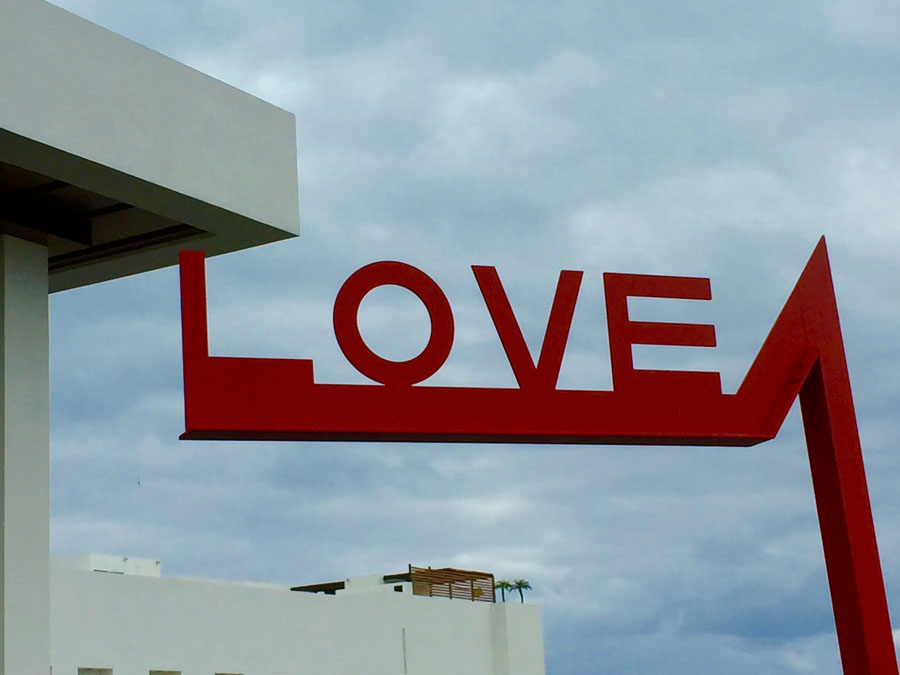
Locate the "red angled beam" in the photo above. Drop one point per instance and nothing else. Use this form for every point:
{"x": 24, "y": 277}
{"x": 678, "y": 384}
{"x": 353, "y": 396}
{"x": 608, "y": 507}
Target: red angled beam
{"x": 803, "y": 355}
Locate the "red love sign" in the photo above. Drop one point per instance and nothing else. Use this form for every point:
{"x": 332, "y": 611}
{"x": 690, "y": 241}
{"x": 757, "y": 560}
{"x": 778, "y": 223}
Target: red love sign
{"x": 803, "y": 355}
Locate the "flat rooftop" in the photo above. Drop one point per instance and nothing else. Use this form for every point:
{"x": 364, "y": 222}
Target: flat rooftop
{"x": 442, "y": 582}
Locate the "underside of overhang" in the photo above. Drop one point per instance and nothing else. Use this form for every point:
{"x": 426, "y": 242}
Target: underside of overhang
{"x": 77, "y": 225}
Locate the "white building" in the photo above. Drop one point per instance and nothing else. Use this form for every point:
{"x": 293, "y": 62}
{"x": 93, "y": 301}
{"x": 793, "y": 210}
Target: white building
{"x": 112, "y": 158}
{"x": 119, "y": 616}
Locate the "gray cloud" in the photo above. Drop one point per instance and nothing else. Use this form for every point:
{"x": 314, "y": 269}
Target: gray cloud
{"x": 695, "y": 138}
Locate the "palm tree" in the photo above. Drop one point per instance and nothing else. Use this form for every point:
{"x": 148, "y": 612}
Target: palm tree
{"x": 504, "y": 586}
{"x": 521, "y": 585}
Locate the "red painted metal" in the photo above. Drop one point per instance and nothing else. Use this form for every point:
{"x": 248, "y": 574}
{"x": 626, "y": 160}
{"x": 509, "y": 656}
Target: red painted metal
{"x": 346, "y": 324}
{"x": 545, "y": 374}
{"x": 278, "y": 399}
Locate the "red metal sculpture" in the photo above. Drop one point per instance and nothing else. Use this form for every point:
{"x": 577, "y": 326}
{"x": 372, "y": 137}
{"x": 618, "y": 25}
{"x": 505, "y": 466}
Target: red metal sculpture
{"x": 278, "y": 399}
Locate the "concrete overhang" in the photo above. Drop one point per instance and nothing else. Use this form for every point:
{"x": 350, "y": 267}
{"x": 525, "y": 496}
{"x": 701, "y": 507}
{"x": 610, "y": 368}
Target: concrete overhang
{"x": 116, "y": 157}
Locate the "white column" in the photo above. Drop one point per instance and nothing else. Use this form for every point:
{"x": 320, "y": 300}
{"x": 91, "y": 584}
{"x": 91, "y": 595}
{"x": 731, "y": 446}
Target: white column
{"x": 25, "y": 467}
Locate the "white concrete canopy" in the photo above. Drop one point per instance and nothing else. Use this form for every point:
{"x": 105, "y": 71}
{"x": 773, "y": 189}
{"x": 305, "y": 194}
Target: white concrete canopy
{"x": 114, "y": 156}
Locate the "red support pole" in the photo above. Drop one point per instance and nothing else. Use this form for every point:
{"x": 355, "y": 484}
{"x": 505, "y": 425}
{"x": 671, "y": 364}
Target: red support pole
{"x": 848, "y": 533}
{"x": 278, "y": 399}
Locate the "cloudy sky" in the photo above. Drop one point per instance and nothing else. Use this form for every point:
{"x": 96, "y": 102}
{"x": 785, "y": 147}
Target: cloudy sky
{"x": 692, "y": 138}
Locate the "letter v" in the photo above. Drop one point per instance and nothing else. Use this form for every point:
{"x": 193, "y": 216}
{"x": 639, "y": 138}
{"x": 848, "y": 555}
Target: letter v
{"x": 546, "y": 373}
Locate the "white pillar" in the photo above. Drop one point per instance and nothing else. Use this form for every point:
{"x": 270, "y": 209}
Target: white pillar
{"x": 25, "y": 467}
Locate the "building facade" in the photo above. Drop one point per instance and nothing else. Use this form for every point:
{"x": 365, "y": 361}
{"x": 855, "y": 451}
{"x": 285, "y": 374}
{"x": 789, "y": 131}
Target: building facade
{"x": 118, "y": 616}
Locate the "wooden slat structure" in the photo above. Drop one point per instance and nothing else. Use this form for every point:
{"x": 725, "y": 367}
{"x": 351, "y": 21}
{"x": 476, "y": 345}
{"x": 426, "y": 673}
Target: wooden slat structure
{"x": 447, "y": 582}
{"x": 444, "y": 582}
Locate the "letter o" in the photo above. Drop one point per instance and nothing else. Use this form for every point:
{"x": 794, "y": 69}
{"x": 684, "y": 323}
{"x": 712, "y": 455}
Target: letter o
{"x": 346, "y": 323}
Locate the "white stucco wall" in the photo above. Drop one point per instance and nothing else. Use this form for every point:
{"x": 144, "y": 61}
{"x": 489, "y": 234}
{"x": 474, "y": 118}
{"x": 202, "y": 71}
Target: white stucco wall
{"x": 135, "y": 624}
